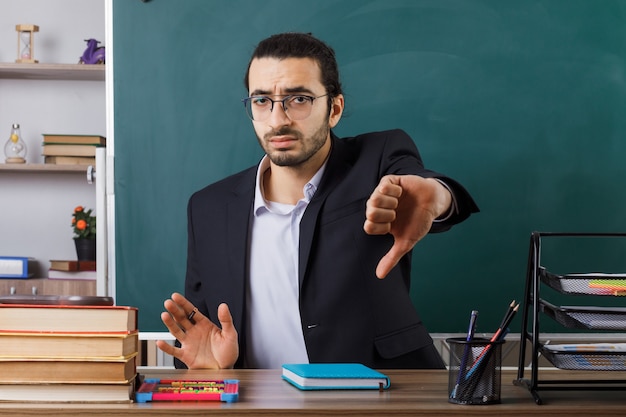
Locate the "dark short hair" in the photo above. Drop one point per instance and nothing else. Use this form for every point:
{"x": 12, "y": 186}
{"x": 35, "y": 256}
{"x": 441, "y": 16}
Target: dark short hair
{"x": 301, "y": 45}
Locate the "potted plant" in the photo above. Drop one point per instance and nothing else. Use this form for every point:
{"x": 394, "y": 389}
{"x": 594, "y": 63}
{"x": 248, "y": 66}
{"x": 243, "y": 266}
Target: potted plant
{"x": 84, "y": 226}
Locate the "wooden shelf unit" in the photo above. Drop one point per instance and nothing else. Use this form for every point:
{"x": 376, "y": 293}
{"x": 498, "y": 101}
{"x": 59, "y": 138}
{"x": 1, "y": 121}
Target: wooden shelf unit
{"x": 50, "y": 72}
{"x": 73, "y": 72}
{"x": 43, "y": 168}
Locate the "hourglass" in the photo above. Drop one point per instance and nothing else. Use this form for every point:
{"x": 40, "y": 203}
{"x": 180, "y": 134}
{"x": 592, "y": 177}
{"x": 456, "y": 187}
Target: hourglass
{"x": 26, "y": 43}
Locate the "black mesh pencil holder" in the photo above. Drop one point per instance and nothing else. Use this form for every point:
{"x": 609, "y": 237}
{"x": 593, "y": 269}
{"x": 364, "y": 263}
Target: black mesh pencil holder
{"x": 474, "y": 372}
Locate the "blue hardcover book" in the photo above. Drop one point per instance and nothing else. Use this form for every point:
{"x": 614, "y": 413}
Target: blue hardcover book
{"x": 16, "y": 267}
{"x": 322, "y": 376}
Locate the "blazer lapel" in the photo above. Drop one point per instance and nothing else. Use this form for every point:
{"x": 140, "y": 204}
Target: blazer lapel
{"x": 238, "y": 220}
{"x": 336, "y": 169}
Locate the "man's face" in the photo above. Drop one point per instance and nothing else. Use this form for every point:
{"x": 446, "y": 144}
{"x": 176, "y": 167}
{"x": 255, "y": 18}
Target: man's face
{"x": 292, "y": 142}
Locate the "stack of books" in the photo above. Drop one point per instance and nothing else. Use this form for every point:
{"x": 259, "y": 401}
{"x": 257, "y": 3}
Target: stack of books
{"x": 68, "y": 353}
{"x": 71, "y": 149}
{"x": 72, "y": 269}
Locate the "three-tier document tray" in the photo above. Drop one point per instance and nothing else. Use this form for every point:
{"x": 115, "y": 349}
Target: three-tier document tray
{"x": 578, "y": 318}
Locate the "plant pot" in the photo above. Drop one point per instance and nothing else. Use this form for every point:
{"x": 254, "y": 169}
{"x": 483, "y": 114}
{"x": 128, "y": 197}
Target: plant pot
{"x": 85, "y": 249}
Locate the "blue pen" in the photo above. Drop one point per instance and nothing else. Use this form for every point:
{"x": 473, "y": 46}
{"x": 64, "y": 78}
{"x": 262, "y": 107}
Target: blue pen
{"x": 468, "y": 339}
{"x": 472, "y": 325}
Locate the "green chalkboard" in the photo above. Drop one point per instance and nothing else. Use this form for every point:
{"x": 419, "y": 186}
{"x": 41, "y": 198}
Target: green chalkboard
{"x": 524, "y": 102}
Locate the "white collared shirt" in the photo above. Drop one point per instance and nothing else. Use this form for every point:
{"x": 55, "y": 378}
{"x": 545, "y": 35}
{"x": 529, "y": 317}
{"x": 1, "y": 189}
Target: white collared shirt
{"x": 273, "y": 326}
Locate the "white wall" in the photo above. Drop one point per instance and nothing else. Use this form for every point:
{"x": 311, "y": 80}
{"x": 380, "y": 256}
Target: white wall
{"x": 35, "y": 209}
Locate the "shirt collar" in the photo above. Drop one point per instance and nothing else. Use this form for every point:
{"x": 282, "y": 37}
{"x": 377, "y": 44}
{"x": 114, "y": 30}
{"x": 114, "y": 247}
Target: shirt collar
{"x": 309, "y": 188}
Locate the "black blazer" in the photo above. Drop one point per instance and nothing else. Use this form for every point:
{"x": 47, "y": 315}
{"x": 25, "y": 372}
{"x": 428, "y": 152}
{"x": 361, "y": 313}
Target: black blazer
{"x": 348, "y": 315}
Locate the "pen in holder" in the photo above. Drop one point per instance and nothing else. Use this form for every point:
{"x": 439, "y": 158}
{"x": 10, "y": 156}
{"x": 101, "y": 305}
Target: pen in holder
{"x": 478, "y": 380}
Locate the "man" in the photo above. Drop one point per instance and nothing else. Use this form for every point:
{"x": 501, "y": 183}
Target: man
{"x": 307, "y": 256}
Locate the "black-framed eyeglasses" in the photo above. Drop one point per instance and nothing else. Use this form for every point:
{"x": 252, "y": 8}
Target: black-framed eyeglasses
{"x": 295, "y": 106}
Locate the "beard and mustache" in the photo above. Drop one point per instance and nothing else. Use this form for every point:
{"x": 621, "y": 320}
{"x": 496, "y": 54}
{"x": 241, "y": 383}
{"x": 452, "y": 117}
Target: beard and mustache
{"x": 286, "y": 157}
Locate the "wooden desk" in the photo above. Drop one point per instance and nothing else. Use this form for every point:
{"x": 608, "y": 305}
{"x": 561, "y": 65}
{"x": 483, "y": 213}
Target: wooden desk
{"x": 264, "y": 393}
